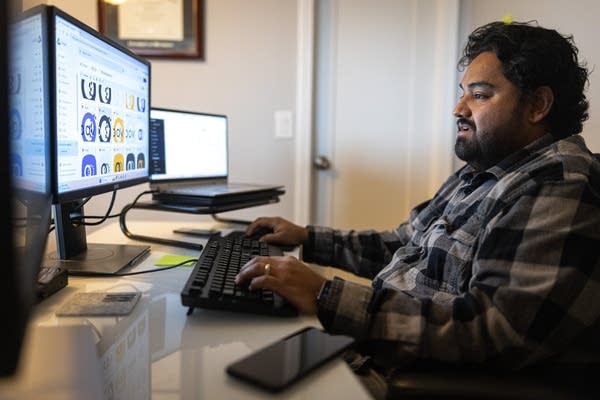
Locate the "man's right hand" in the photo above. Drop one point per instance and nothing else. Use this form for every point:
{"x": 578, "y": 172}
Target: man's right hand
{"x": 278, "y": 231}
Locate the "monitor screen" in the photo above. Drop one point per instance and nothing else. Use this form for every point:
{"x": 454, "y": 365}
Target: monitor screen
{"x": 25, "y": 177}
{"x": 27, "y": 115}
{"x": 102, "y": 95}
{"x": 101, "y": 115}
{"x": 176, "y": 137}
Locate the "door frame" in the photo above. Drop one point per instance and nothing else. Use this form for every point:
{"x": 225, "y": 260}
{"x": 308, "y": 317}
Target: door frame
{"x": 304, "y": 111}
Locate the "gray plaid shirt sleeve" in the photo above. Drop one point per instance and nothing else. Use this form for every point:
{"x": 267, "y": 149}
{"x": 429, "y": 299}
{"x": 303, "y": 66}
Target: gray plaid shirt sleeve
{"x": 363, "y": 253}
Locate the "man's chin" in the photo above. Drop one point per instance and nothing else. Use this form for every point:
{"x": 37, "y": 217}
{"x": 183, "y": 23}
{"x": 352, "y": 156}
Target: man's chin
{"x": 461, "y": 149}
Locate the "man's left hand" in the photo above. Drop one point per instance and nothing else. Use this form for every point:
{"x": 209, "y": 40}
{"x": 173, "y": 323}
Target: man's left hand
{"x": 287, "y": 276}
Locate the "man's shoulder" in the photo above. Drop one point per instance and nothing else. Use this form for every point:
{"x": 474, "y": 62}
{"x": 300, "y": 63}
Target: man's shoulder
{"x": 557, "y": 164}
{"x": 561, "y": 160}
{"x": 576, "y": 160}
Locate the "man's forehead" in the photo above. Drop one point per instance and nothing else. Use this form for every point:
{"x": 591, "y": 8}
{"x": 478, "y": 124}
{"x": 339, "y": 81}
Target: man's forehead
{"x": 485, "y": 69}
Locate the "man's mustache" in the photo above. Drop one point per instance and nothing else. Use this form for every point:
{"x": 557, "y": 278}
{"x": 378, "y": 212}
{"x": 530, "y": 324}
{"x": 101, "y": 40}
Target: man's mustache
{"x": 461, "y": 122}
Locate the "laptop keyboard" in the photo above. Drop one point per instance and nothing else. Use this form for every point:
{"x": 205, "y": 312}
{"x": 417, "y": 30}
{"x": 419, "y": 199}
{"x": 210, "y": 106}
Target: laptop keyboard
{"x": 211, "y": 283}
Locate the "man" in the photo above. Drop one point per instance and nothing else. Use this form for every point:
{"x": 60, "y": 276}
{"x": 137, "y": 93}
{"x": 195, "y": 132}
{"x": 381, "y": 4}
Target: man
{"x": 502, "y": 265}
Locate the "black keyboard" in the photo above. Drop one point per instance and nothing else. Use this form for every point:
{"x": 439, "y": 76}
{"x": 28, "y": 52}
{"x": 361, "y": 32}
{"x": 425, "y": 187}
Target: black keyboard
{"x": 211, "y": 283}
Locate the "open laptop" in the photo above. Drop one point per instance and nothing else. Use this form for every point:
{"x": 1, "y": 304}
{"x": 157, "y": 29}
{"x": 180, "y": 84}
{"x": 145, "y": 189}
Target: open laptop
{"x": 189, "y": 161}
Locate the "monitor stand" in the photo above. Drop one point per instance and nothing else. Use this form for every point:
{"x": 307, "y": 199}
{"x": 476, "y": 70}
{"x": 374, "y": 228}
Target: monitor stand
{"x": 81, "y": 258}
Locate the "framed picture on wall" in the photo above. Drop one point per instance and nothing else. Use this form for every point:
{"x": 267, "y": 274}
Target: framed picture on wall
{"x": 155, "y": 28}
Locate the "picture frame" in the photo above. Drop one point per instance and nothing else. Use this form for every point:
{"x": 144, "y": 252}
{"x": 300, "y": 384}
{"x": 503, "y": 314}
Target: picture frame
{"x": 155, "y": 28}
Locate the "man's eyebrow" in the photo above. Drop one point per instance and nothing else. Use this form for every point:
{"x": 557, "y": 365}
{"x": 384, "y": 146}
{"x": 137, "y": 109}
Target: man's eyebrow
{"x": 477, "y": 84}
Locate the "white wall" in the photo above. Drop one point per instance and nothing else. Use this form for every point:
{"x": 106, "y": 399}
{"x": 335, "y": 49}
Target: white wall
{"x": 578, "y": 18}
{"x": 248, "y": 72}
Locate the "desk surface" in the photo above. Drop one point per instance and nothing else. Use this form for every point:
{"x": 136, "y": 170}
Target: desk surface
{"x": 157, "y": 351}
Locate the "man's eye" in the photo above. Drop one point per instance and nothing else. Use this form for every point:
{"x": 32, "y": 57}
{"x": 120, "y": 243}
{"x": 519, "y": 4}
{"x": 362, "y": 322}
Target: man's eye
{"x": 480, "y": 96}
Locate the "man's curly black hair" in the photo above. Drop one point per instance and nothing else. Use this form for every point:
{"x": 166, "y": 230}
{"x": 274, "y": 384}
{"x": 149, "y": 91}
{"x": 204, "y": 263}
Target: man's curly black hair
{"x": 532, "y": 57}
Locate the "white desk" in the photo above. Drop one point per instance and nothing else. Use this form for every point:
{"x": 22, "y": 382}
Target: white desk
{"x": 157, "y": 351}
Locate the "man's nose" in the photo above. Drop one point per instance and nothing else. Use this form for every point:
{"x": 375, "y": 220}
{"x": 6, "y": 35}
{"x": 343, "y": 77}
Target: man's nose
{"x": 461, "y": 109}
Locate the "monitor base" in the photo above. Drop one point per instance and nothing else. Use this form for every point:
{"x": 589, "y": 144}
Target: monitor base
{"x": 102, "y": 259}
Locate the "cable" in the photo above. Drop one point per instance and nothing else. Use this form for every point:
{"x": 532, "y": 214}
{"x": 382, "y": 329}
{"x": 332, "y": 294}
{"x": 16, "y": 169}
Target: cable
{"x": 83, "y": 203}
{"x": 158, "y": 269}
{"x": 102, "y": 218}
{"x": 105, "y": 217}
{"x": 96, "y": 274}
{"x": 141, "y": 194}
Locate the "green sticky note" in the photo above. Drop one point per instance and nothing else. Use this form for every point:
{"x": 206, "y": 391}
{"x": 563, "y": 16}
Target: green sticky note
{"x": 173, "y": 259}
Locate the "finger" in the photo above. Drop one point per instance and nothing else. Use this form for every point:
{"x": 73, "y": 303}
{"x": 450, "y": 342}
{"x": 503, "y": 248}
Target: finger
{"x": 266, "y": 282}
{"x": 250, "y": 228}
{"x": 275, "y": 237}
{"x": 253, "y": 261}
{"x": 274, "y": 284}
{"x": 268, "y": 237}
{"x": 253, "y": 225}
{"x": 249, "y": 271}
{"x": 257, "y": 224}
{"x": 253, "y": 268}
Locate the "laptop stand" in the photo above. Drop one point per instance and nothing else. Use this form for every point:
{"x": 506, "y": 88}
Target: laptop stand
{"x": 212, "y": 210}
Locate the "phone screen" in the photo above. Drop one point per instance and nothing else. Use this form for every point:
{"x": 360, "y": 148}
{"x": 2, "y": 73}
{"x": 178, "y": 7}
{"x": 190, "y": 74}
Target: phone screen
{"x": 285, "y": 361}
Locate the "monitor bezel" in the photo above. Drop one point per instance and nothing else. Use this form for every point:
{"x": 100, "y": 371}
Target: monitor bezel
{"x": 53, "y": 13}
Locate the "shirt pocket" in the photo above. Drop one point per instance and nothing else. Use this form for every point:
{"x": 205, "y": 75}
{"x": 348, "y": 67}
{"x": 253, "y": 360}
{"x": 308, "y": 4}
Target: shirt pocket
{"x": 421, "y": 224}
{"x": 450, "y": 248}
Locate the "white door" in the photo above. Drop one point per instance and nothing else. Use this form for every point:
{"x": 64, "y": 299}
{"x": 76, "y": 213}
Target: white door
{"x": 385, "y": 87}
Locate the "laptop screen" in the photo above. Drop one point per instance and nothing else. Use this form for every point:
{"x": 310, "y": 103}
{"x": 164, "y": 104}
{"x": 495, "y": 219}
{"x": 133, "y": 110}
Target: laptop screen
{"x": 187, "y": 145}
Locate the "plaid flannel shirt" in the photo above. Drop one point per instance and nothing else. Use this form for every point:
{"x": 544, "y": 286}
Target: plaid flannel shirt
{"x": 500, "y": 266}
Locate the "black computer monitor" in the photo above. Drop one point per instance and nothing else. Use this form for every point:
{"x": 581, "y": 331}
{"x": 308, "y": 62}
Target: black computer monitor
{"x": 25, "y": 206}
{"x": 101, "y": 114}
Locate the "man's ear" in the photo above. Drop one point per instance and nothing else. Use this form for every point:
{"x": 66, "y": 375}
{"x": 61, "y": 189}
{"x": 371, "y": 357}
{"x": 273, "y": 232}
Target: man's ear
{"x": 540, "y": 102}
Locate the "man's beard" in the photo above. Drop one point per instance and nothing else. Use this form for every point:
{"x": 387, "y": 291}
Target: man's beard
{"x": 468, "y": 149}
{"x": 479, "y": 152}
{"x": 486, "y": 149}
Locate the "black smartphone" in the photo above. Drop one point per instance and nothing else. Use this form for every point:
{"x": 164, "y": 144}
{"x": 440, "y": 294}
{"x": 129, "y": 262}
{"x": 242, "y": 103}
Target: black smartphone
{"x": 290, "y": 358}
{"x": 198, "y": 232}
